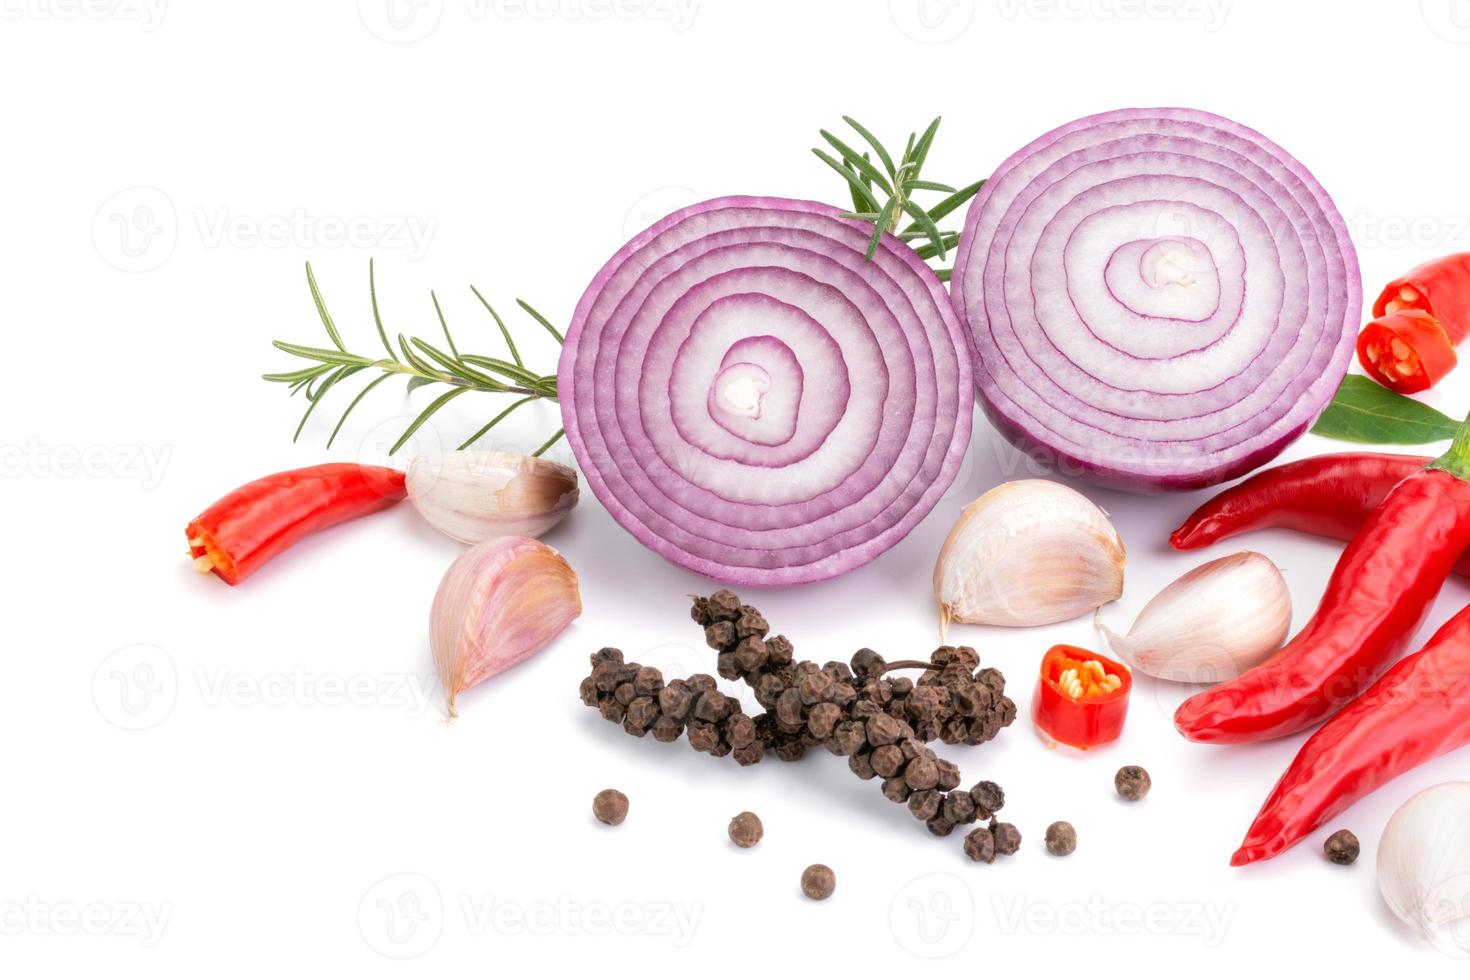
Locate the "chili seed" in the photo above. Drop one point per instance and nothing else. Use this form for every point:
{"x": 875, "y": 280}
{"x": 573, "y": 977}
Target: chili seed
{"x": 818, "y": 882}
{"x": 746, "y": 829}
{"x": 610, "y": 806}
{"x": 1341, "y": 847}
{"x": 1132, "y": 782}
{"x": 1061, "y": 838}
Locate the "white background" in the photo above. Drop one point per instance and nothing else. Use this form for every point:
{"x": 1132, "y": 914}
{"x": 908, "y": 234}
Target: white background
{"x": 168, "y": 170}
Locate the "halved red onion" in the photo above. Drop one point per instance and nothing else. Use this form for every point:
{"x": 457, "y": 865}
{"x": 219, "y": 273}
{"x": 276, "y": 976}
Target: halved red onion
{"x": 1160, "y": 299}
{"x": 753, "y": 400}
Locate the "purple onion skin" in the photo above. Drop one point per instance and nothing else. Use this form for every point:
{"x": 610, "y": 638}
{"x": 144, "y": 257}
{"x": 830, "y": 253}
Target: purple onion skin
{"x": 1132, "y": 461}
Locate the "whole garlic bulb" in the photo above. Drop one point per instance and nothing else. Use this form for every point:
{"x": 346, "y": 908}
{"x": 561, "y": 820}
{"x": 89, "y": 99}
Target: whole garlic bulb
{"x": 473, "y": 495}
{"x": 1424, "y": 866}
{"x": 1212, "y": 623}
{"x": 1028, "y": 553}
{"x": 500, "y": 602}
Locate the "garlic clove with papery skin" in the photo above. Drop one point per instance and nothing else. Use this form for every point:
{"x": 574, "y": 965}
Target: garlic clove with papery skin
{"x": 500, "y": 602}
{"x": 473, "y": 495}
{"x": 1424, "y": 866}
{"x": 1212, "y": 623}
{"x": 1028, "y": 553}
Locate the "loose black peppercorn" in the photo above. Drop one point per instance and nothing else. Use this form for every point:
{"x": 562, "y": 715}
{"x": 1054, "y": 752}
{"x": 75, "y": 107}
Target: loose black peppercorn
{"x": 610, "y": 806}
{"x": 1132, "y": 782}
{"x": 1007, "y": 837}
{"x": 1061, "y": 838}
{"x": 818, "y": 882}
{"x": 880, "y": 723}
{"x": 1341, "y": 847}
{"x": 980, "y": 845}
{"x": 746, "y": 829}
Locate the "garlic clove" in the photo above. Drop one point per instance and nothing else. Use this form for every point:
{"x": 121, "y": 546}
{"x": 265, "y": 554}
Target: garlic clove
{"x": 1028, "y": 553}
{"x": 1212, "y": 623}
{"x": 1424, "y": 866}
{"x": 500, "y": 602}
{"x": 473, "y": 495}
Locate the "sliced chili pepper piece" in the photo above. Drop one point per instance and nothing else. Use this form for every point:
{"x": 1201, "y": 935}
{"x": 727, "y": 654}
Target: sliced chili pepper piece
{"x": 1406, "y": 351}
{"x": 1414, "y": 713}
{"x": 1378, "y": 595}
{"x": 247, "y": 527}
{"x": 1081, "y": 697}
{"x": 1439, "y": 287}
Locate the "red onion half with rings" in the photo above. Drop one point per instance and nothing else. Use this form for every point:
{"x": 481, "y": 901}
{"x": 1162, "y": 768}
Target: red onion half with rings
{"x": 1159, "y": 299}
{"x": 752, "y": 400}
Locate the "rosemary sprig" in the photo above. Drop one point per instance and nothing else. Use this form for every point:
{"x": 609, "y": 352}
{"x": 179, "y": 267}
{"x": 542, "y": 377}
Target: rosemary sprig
{"x": 882, "y": 192}
{"x": 421, "y": 362}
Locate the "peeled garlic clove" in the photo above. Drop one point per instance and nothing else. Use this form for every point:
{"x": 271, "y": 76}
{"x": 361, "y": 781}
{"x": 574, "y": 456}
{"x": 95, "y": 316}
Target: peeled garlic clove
{"x": 1424, "y": 866}
{"x": 500, "y": 602}
{"x": 473, "y": 495}
{"x": 1211, "y": 624}
{"x": 1028, "y": 553}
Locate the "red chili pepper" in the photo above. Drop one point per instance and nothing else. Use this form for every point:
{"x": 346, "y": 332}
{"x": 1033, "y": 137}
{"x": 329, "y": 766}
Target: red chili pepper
{"x": 1379, "y": 593}
{"x": 1327, "y": 496}
{"x": 1427, "y": 311}
{"x": 247, "y": 527}
{"x": 1415, "y": 712}
{"x": 1081, "y": 698}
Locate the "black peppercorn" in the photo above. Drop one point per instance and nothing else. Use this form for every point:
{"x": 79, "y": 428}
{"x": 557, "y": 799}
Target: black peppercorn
{"x": 1007, "y": 837}
{"x": 980, "y": 845}
{"x": 925, "y": 804}
{"x": 746, "y": 829}
{"x": 818, "y": 882}
{"x": 610, "y": 806}
{"x": 988, "y": 798}
{"x": 1341, "y": 847}
{"x": 1132, "y": 782}
{"x": 1061, "y": 838}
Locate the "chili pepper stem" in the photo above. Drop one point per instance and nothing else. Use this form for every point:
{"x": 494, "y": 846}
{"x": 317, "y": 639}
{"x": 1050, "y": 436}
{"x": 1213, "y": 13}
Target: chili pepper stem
{"x": 1456, "y": 459}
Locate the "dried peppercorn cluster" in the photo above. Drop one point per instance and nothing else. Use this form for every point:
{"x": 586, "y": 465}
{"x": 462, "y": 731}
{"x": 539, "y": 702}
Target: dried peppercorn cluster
{"x": 880, "y": 724}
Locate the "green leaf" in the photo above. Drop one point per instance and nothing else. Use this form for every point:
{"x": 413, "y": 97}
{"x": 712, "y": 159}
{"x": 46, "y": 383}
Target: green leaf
{"x": 922, "y": 219}
{"x": 550, "y": 442}
{"x": 353, "y": 404}
{"x": 955, "y": 200}
{"x": 416, "y": 382}
{"x": 1365, "y": 411}
{"x": 321, "y": 354}
{"x": 872, "y": 141}
{"x": 504, "y": 332}
{"x": 862, "y": 163}
{"x": 857, "y": 199}
{"x": 316, "y": 399}
{"x": 541, "y": 320}
{"x": 321, "y": 309}
{"x": 305, "y": 374}
{"x": 921, "y": 149}
{"x": 928, "y": 185}
{"x": 944, "y": 274}
{"x": 495, "y": 421}
{"x": 884, "y": 218}
{"x": 859, "y": 189}
{"x": 434, "y": 406}
{"x": 444, "y": 324}
{"x": 928, "y": 250}
{"x": 377, "y": 317}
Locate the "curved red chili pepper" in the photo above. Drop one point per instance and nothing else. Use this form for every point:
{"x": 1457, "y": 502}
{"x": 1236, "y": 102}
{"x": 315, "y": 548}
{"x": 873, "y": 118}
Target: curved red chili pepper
{"x": 247, "y": 527}
{"x": 1078, "y": 704}
{"x": 1427, "y": 311}
{"x": 1327, "y": 496}
{"x": 1379, "y": 593}
{"x": 1415, "y": 712}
